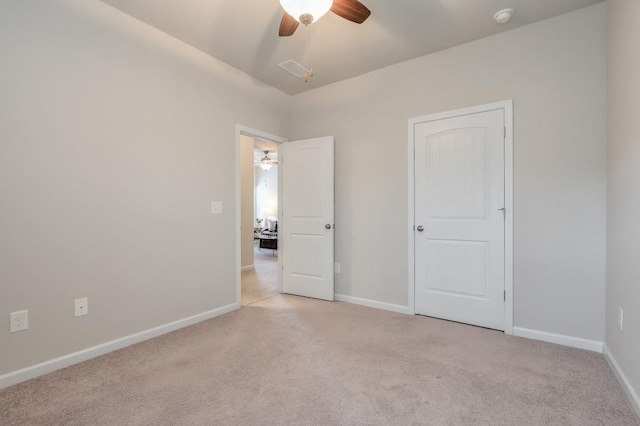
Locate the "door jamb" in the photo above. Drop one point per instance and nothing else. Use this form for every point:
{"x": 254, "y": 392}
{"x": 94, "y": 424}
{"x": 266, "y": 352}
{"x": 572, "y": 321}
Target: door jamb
{"x": 507, "y": 107}
{"x": 248, "y": 131}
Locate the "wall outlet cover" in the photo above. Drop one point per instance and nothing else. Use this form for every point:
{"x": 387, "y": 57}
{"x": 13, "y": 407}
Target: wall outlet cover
{"x": 216, "y": 207}
{"x": 620, "y": 317}
{"x": 19, "y": 321}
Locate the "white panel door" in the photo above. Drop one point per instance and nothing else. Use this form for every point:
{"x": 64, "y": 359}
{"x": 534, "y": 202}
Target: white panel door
{"x": 307, "y": 217}
{"x": 459, "y": 219}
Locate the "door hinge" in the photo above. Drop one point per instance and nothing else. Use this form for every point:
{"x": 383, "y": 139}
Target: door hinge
{"x": 505, "y": 133}
{"x": 504, "y": 294}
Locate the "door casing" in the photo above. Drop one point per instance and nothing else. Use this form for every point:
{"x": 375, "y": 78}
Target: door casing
{"x": 507, "y": 108}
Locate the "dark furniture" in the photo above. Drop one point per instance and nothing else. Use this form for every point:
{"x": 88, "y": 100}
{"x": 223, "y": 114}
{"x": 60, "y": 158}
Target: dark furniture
{"x": 268, "y": 242}
{"x": 268, "y": 239}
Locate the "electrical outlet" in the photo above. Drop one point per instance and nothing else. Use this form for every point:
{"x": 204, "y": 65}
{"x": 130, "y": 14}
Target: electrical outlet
{"x": 216, "y": 207}
{"x": 81, "y": 307}
{"x": 336, "y": 268}
{"x": 620, "y": 317}
{"x": 18, "y": 321}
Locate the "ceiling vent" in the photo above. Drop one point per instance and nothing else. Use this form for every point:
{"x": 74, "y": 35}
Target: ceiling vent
{"x": 295, "y": 69}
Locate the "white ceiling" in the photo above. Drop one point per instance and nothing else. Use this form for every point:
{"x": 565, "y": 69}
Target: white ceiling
{"x": 244, "y": 33}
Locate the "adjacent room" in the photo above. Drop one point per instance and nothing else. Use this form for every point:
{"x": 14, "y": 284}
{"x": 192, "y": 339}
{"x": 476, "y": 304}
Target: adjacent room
{"x": 327, "y": 212}
{"x": 259, "y": 216}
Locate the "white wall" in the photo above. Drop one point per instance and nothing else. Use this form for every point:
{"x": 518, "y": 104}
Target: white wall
{"x": 247, "y": 187}
{"x": 554, "y": 71}
{"x": 114, "y": 140}
{"x": 266, "y": 193}
{"x": 623, "y": 213}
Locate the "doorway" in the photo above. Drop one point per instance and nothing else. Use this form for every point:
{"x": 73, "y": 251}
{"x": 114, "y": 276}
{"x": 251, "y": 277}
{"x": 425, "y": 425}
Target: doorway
{"x": 257, "y": 190}
{"x": 461, "y": 216}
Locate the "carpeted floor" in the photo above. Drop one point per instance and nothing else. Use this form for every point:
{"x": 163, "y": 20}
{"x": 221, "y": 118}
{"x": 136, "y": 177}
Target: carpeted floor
{"x": 298, "y": 361}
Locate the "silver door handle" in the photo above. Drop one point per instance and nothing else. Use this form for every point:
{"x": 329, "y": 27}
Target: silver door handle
{"x": 420, "y": 228}
{"x": 327, "y": 226}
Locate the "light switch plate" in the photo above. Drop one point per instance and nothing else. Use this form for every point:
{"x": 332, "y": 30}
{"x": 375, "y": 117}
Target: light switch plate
{"x": 216, "y": 207}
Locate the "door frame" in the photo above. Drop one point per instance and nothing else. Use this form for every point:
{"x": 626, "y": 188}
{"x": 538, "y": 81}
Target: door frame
{"x": 507, "y": 107}
{"x": 248, "y": 131}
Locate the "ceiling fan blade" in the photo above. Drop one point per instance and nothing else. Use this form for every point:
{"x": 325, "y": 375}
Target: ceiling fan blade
{"x": 351, "y": 10}
{"x": 288, "y": 25}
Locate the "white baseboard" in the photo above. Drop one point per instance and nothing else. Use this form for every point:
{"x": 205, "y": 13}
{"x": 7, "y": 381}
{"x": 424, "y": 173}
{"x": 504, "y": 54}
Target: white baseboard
{"x": 634, "y": 399}
{"x": 373, "y": 304}
{"x": 49, "y": 366}
{"x": 248, "y": 268}
{"x": 560, "y": 339}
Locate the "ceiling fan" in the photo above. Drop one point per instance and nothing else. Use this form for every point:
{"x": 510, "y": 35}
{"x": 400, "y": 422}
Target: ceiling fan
{"x": 308, "y": 11}
{"x": 266, "y": 162}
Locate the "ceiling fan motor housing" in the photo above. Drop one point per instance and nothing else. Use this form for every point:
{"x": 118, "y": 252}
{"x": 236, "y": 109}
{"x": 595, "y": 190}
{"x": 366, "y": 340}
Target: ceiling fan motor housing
{"x": 306, "y": 19}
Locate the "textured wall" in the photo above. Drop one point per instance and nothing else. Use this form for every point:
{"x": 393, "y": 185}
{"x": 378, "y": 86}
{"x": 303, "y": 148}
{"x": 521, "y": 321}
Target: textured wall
{"x": 247, "y": 186}
{"x": 114, "y": 140}
{"x": 623, "y": 212}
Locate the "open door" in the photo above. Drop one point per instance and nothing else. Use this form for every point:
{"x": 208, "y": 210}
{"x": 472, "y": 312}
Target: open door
{"x": 306, "y": 227}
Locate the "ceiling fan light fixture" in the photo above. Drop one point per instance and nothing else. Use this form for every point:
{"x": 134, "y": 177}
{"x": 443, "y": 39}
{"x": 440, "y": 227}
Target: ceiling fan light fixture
{"x": 306, "y": 11}
{"x": 266, "y": 163}
{"x": 265, "y": 166}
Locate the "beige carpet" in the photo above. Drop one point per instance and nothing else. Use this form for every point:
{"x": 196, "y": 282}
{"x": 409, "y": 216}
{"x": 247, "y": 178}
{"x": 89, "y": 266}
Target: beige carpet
{"x": 297, "y": 361}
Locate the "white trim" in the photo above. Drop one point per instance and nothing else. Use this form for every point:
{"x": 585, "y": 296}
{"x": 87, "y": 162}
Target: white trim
{"x": 560, "y": 339}
{"x": 248, "y": 131}
{"x": 280, "y": 246}
{"x": 247, "y": 268}
{"x": 631, "y": 393}
{"x": 373, "y": 304}
{"x": 508, "y": 222}
{"x": 51, "y": 365}
{"x": 411, "y": 236}
{"x": 507, "y": 107}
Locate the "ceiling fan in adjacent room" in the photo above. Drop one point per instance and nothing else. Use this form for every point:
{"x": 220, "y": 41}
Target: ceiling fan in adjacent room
{"x": 308, "y": 11}
{"x": 266, "y": 162}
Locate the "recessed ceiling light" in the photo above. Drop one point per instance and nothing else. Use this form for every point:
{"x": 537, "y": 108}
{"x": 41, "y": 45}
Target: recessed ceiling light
{"x": 503, "y": 16}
